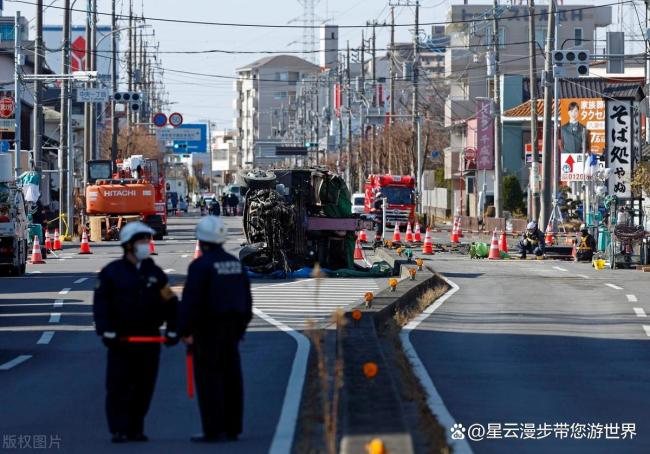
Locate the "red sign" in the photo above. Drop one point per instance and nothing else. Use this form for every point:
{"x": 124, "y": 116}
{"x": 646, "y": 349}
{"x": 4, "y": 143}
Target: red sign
{"x": 78, "y": 54}
{"x": 175, "y": 119}
{"x": 7, "y": 107}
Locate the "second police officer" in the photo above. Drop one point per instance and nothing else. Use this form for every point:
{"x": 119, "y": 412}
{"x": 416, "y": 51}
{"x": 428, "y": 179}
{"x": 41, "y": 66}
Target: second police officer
{"x": 213, "y": 315}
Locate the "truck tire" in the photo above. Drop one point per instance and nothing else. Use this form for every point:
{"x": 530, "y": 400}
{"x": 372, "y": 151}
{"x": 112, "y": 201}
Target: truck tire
{"x": 156, "y": 223}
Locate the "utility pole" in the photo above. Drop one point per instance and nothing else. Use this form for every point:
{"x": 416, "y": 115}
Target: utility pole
{"x": 373, "y": 151}
{"x": 129, "y": 71}
{"x": 18, "y": 93}
{"x": 534, "y": 175}
{"x": 362, "y": 136}
{"x": 65, "y": 192}
{"x": 349, "y": 103}
{"x": 547, "y": 153}
{"x": 339, "y": 102}
{"x": 414, "y": 106}
{"x": 115, "y": 127}
{"x": 93, "y": 67}
{"x": 498, "y": 164}
{"x": 392, "y": 89}
{"x": 37, "y": 142}
{"x": 556, "y": 120}
{"x": 87, "y": 109}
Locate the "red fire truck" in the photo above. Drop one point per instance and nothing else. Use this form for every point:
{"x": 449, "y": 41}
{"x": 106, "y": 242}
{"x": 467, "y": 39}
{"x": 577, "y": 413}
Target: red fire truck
{"x": 400, "y": 192}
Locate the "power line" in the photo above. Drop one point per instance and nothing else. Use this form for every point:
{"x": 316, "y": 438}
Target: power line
{"x": 289, "y": 26}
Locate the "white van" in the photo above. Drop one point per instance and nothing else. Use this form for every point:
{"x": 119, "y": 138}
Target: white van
{"x": 358, "y": 201}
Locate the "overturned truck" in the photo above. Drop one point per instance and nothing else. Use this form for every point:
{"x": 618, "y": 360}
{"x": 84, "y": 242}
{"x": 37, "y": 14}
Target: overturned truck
{"x": 294, "y": 218}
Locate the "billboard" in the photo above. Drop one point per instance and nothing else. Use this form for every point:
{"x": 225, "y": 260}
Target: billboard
{"x": 582, "y": 122}
{"x": 198, "y": 132}
{"x": 53, "y": 38}
{"x": 484, "y": 134}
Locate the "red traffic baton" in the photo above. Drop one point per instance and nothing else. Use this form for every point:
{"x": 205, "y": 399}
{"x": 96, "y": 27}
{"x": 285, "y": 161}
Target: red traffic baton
{"x": 145, "y": 339}
{"x": 189, "y": 363}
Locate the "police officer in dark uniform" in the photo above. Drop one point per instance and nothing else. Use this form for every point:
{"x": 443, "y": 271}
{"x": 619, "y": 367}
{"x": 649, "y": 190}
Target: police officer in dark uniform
{"x": 377, "y": 210}
{"x": 213, "y": 315}
{"x": 132, "y": 298}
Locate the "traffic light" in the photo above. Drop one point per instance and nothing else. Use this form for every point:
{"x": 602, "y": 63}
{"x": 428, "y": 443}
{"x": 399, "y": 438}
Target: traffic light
{"x": 577, "y": 59}
{"x": 132, "y": 98}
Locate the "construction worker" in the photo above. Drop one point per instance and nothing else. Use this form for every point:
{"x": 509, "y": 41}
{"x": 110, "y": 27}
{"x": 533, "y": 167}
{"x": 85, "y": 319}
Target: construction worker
{"x": 132, "y": 298}
{"x": 213, "y": 315}
{"x": 586, "y": 245}
{"x": 532, "y": 240}
{"x": 377, "y": 210}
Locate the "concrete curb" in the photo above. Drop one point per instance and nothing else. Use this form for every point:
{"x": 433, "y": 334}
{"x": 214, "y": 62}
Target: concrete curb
{"x": 372, "y": 408}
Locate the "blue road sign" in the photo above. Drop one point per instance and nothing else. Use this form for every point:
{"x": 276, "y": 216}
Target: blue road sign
{"x": 192, "y": 146}
{"x": 160, "y": 119}
{"x": 435, "y": 154}
{"x": 4, "y": 146}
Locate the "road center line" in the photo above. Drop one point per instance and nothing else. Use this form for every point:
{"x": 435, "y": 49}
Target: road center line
{"x": 46, "y": 337}
{"x": 631, "y": 298}
{"x": 14, "y": 362}
{"x": 584, "y": 276}
{"x": 58, "y": 303}
{"x": 55, "y": 317}
{"x": 615, "y": 287}
{"x": 80, "y": 280}
{"x": 169, "y": 270}
{"x": 65, "y": 291}
{"x": 184, "y": 256}
{"x": 646, "y": 328}
{"x": 560, "y": 268}
{"x": 284, "y": 431}
{"x": 639, "y": 312}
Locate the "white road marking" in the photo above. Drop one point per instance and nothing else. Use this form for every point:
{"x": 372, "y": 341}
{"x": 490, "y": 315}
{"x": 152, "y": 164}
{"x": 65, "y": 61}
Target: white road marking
{"x": 434, "y": 399}
{"x": 55, "y": 317}
{"x": 632, "y": 298}
{"x": 169, "y": 270}
{"x": 65, "y": 291}
{"x": 14, "y": 362}
{"x": 80, "y": 280}
{"x": 560, "y": 268}
{"x": 284, "y": 431}
{"x": 584, "y": 276}
{"x": 46, "y": 337}
{"x": 184, "y": 256}
{"x": 646, "y": 328}
{"x": 639, "y": 312}
{"x": 58, "y": 303}
{"x": 35, "y": 272}
{"x": 615, "y": 287}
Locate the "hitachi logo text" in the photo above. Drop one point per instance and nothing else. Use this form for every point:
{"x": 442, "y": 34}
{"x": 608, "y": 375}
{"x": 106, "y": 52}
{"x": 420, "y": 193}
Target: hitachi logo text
{"x": 120, "y": 193}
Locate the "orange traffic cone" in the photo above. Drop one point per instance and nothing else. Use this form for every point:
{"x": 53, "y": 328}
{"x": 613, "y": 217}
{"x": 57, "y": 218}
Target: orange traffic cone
{"x": 417, "y": 236}
{"x": 37, "y": 257}
{"x": 152, "y": 247}
{"x": 409, "y": 233}
{"x": 397, "y": 235}
{"x": 427, "y": 248}
{"x": 85, "y": 246}
{"x": 57, "y": 241}
{"x": 197, "y": 250}
{"x": 549, "y": 240}
{"x": 494, "y": 248}
{"x": 362, "y": 236}
{"x": 459, "y": 230}
{"x": 358, "y": 252}
{"x": 503, "y": 243}
{"x": 48, "y": 243}
{"x": 454, "y": 232}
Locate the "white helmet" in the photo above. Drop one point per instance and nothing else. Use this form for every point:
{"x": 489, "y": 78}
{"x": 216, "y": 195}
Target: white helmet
{"x": 211, "y": 229}
{"x": 133, "y": 228}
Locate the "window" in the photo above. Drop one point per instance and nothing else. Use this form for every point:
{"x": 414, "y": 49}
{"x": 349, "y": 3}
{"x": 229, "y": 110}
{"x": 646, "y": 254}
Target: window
{"x": 280, "y": 95}
{"x": 502, "y": 36}
{"x": 540, "y": 37}
{"x": 282, "y": 76}
{"x": 577, "y": 36}
{"x": 7, "y": 32}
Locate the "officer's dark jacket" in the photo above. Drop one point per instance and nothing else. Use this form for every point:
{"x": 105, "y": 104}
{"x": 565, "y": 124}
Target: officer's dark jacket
{"x": 536, "y": 238}
{"x": 128, "y": 300}
{"x": 217, "y": 289}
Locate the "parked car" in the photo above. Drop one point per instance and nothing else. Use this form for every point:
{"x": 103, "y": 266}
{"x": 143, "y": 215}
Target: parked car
{"x": 358, "y": 199}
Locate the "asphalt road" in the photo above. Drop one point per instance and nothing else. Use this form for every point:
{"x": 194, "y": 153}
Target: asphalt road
{"x": 521, "y": 344}
{"x": 52, "y": 364}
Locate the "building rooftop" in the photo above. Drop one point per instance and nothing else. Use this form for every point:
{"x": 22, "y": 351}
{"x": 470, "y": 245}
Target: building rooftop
{"x": 277, "y": 60}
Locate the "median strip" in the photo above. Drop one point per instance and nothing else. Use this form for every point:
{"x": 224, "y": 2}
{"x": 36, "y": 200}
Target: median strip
{"x": 46, "y": 337}
{"x": 14, "y": 362}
